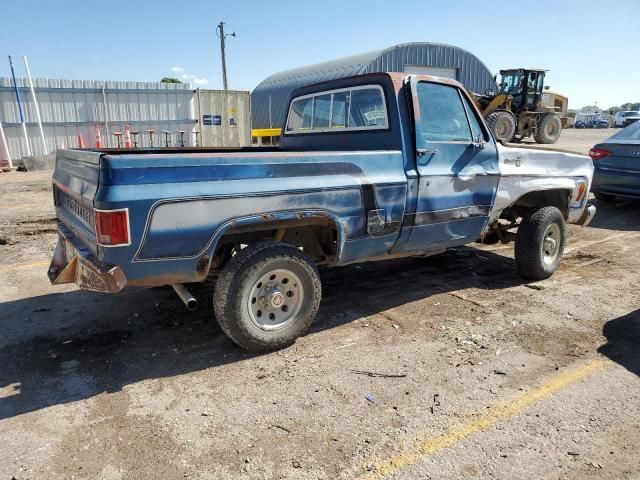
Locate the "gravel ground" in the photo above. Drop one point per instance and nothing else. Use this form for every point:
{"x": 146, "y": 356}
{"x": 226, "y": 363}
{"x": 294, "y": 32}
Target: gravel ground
{"x": 447, "y": 367}
{"x": 577, "y": 140}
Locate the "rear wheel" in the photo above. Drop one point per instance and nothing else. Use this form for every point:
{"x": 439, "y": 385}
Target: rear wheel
{"x": 604, "y": 197}
{"x": 267, "y": 296}
{"x": 549, "y": 128}
{"x": 540, "y": 243}
{"x": 503, "y": 125}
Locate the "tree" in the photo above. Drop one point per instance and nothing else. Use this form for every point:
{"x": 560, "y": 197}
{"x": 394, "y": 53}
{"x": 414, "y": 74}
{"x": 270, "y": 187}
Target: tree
{"x": 625, "y": 106}
{"x": 630, "y": 106}
{"x": 170, "y": 80}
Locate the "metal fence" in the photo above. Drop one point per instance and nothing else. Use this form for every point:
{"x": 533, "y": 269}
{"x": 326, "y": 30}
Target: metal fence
{"x": 72, "y": 107}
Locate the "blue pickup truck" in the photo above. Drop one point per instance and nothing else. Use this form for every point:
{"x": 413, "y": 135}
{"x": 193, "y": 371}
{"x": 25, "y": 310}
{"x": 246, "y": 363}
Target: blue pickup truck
{"x": 371, "y": 167}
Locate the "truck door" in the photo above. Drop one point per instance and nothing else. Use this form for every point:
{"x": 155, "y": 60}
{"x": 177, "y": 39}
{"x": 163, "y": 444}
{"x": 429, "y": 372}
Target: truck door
{"x": 457, "y": 167}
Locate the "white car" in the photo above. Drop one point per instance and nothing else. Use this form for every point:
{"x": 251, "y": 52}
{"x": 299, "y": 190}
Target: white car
{"x": 620, "y": 117}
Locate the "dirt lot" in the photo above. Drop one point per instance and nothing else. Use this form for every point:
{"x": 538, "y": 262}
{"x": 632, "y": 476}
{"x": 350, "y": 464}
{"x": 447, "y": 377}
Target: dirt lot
{"x": 445, "y": 368}
{"x": 580, "y": 140}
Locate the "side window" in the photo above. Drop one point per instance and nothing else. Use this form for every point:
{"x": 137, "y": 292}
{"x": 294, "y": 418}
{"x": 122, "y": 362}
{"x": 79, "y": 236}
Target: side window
{"x": 442, "y": 114}
{"x": 300, "y": 114}
{"x": 367, "y": 108}
{"x": 476, "y": 129}
{"x": 321, "y": 111}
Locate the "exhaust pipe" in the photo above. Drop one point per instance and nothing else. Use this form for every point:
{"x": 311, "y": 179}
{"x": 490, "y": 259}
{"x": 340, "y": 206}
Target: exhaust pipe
{"x": 189, "y": 301}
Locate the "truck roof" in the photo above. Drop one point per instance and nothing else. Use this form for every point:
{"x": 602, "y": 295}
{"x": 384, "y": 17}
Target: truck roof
{"x": 396, "y": 77}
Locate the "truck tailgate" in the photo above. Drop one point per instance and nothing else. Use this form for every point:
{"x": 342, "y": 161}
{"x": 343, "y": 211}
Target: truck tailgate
{"x": 75, "y": 182}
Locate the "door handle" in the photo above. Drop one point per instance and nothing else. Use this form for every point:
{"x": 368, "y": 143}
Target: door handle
{"x": 423, "y": 151}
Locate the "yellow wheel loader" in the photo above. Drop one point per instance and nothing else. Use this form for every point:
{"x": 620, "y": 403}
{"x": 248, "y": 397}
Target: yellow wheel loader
{"x": 517, "y": 112}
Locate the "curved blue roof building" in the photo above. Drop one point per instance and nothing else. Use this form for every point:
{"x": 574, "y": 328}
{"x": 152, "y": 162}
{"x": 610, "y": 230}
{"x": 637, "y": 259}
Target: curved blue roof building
{"x": 269, "y": 100}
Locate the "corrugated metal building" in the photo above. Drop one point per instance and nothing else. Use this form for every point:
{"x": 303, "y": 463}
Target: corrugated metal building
{"x": 72, "y": 107}
{"x": 270, "y": 98}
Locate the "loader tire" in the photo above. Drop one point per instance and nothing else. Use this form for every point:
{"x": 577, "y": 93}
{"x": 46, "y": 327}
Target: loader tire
{"x": 503, "y": 125}
{"x": 549, "y": 128}
{"x": 540, "y": 243}
{"x": 267, "y": 296}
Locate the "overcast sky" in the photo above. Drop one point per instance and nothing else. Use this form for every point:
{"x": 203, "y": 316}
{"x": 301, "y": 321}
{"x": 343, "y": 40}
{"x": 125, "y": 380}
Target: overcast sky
{"x": 589, "y": 47}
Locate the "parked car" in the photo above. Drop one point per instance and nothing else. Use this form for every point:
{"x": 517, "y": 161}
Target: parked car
{"x": 600, "y": 123}
{"x": 620, "y": 118}
{"x": 617, "y": 165}
{"x": 371, "y": 167}
{"x": 579, "y": 124}
{"x": 629, "y": 120}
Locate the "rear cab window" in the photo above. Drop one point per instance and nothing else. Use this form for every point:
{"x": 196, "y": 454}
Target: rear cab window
{"x": 348, "y": 109}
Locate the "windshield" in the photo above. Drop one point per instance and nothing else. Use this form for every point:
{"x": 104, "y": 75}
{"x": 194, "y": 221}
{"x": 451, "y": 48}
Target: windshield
{"x": 632, "y": 132}
{"x": 630, "y": 114}
{"x": 512, "y": 83}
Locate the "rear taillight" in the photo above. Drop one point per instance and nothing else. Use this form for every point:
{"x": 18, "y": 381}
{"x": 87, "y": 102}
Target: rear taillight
{"x": 112, "y": 227}
{"x": 598, "y": 153}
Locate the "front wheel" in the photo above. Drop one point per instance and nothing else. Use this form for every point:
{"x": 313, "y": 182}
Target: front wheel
{"x": 267, "y": 296}
{"x": 540, "y": 243}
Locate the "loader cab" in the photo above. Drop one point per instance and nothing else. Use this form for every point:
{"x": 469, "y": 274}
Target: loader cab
{"x": 524, "y": 86}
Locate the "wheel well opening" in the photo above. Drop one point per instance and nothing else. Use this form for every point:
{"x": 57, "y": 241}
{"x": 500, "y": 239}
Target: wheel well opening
{"x": 504, "y": 228}
{"x": 317, "y": 237}
{"x": 558, "y": 198}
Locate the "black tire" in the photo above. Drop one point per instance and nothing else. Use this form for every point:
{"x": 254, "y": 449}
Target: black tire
{"x": 503, "y": 125}
{"x": 604, "y": 197}
{"x": 531, "y": 260}
{"x": 238, "y": 279}
{"x": 549, "y": 128}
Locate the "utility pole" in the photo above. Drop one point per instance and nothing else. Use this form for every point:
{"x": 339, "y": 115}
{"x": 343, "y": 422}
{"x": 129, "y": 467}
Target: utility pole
{"x": 222, "y": 36}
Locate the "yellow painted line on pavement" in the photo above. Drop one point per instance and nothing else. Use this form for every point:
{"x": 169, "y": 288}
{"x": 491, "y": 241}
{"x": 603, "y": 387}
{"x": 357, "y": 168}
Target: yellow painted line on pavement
{"x": 24, "y": 266}
{"x": 431, "y": 445}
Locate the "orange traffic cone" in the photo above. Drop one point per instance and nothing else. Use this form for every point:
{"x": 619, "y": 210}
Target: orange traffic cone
{"x": 80, "y": 141}
{"x": 127, "y": 137}
{"x": 5, "y": 160}
{"x": 98, "y": 138}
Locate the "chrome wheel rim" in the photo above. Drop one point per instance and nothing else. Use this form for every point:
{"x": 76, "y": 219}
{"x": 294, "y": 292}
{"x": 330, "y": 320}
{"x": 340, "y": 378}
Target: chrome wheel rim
{"x": 551, "y": 243}
{"x": 275, "y": 299}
